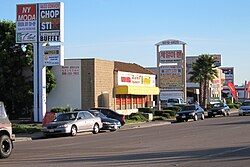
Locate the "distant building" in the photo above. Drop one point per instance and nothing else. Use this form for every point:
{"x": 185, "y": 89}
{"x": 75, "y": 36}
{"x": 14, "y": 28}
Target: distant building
{"x": 229, "y": 74}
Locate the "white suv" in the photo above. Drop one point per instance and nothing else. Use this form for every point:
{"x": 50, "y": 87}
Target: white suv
{"x": 244, "y": 108}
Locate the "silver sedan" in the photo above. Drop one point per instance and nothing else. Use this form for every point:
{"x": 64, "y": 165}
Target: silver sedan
{"x": 72, "y": 123}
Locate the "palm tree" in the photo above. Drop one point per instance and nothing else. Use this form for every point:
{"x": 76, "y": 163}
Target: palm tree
{"x": 203, "y": 71}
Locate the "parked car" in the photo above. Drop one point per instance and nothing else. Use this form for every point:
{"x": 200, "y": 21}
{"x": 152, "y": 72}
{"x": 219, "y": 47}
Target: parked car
{"x": 108, "y": 123}
{"x": 219, "y": 109}
{"x": 173, "y": 102}
{"x": 111, "y": 114}
{"x": 72, "y": 123}
{"x": 187, "y": 112}
{"x": 245, "y": 108}
{"x": 6, "y": 136}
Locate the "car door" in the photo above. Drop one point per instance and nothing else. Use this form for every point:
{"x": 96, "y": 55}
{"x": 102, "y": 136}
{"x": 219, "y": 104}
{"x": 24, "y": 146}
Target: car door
{"x": 81, "y": 122}
{"x": 89, "y": 121}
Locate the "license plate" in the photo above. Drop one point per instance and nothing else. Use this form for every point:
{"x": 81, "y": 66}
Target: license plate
{"x": 214, "y": 112}
{"x": 51, "y": 130}
{"x": 183, "y": 116}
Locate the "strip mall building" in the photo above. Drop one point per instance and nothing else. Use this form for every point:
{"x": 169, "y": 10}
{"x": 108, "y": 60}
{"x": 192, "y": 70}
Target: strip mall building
{"x": 86, "y": 83}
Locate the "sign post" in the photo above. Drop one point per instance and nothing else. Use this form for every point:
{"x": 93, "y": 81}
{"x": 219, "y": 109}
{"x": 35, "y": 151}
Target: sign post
{"x": 40, "y": 24}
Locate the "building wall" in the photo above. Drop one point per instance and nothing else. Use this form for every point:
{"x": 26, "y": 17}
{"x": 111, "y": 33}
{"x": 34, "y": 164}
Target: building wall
{"x": 104, "y": 83}
{"x": 68, "y": 81}
{"x": 87, "y": 83}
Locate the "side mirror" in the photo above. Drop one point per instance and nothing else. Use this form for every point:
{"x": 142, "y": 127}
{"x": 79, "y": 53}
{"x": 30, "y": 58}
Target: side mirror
{"x": 197, "y": 109}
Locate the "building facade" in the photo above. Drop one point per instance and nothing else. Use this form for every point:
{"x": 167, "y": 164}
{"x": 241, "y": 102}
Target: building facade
{"x": 86, "y": 83}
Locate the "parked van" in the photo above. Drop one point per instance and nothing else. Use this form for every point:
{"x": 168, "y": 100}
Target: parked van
{"x": 6, "y": 136}
{"x": 172, "y": 102}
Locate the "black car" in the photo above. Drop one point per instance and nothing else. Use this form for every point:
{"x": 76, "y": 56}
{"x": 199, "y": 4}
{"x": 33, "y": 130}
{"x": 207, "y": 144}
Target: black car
{"x": 111, "y": 114}
{"x": 108, "y": 123}
{"x": 187, "y": 112}
{"x": 219, "y": 109}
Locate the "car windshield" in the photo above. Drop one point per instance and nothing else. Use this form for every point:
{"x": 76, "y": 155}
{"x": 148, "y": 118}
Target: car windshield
{"x": 218, "y": 105}
{"x": 66, "y": 117}
{"x": 246, "y": 103}
{"x": 173, "y": 101}
{"x": 98, "y": 114}
{"x": 187, "y": 108}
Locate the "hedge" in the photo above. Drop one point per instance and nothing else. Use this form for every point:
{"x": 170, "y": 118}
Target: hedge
{"x": 60, "y": 109}
{"x": 137, "y": 117}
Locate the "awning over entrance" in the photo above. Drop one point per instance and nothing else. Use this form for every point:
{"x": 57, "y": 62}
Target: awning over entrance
{"x": 137, "y": 90}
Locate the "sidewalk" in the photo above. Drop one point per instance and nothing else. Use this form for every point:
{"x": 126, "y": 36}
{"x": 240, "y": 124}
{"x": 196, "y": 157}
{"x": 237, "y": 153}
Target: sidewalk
{"x": 39, "y": 135}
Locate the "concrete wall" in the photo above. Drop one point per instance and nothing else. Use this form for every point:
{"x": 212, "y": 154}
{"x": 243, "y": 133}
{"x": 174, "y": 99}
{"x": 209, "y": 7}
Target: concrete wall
{"x": 67, "y": 91}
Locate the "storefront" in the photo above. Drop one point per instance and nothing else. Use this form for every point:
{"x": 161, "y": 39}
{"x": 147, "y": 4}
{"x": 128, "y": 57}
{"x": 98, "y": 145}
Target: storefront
{"x": 86, "y": 83}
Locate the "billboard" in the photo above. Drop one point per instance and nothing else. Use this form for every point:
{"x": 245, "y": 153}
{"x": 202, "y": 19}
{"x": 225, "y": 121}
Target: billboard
{"x": 51, "y": 22}
{"x": 53, "y": 55}
{"x": 26, "y": 23}
{"x": 229, "y": 74}
{"x": 135, "y": 79}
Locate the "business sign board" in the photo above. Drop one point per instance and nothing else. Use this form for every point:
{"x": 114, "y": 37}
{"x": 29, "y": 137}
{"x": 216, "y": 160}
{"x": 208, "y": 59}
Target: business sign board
{"x": 171, "y": 69}
{"x": 70, "y": 70}
{"x": 53, "y": 55}
{"x": 217, "y": 60}
{"x": 135, "y": 79}
{"x": 51, "y": 22}
{"x": 229, "y": 74}
{"x": 26, "y": 23}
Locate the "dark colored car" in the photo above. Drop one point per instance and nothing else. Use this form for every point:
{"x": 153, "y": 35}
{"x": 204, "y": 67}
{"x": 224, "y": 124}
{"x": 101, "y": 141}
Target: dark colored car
{"x": 219, "y": 109}
{"x": 108, "y": 123}
{"x": 187, "y": 112}
{"x": 6, "y": 136}
{"x": 111, "y": 114}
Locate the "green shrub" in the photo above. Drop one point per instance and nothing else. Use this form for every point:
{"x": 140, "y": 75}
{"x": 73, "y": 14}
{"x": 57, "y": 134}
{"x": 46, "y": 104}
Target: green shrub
{"x": 145, "y": 110}
{"x": 166, "y": 115}
{"x": 170, "y": 112}
{"x": 231, "y": 106}
{"x": 137, "y": 117}
{"x": 26, "y": 128}
{"x": 174, "y": 108}
{"x": 60, "y": 109}
{"x": 158, "y": 112}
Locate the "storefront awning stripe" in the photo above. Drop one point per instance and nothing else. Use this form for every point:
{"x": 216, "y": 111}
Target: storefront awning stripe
{"x": 137, "y": 90}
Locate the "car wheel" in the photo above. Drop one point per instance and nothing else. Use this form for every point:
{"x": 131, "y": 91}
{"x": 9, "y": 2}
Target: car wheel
{"x": 6, "y": 146}
{"x": 209, "y": 115}
{"x": 202, "y": 116}
{"x": 228, "y": 113}
{"x": 96, "y": 128}
{"x": 195, "y": 117}
{"x": 73, "y": 130}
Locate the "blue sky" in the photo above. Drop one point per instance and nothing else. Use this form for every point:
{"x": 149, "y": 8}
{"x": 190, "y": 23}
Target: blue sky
{"x": 126, "y": 30}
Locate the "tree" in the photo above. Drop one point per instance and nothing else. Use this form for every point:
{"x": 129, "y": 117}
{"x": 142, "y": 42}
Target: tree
{"x": 15, "y": 85}
{"x": 16, "y": 73}
{"x": 203, "y": 71}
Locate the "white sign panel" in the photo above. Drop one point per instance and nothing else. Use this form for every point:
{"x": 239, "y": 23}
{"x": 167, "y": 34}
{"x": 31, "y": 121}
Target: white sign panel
{"x": 53, "y": 55}
{"x": 135, "y": 79}
{"x": 51, "y": 21}
{"x": 26, "y": 23}
{"x": 165, "y": 95}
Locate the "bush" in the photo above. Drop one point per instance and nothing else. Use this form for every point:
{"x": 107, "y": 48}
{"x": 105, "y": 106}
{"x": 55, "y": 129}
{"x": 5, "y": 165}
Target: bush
{"x": 174, "y": 108}
{"x": 26, "y": 128}
{"x": 137, "y": 117}
{"x": 158, "y": 112}
{"x": 170, "y": 112}
{"x": 231, "y": 106}
{"x": 145, "y": 110}
{"x": 166, "y": 115}
{"x": 60, "y": 110}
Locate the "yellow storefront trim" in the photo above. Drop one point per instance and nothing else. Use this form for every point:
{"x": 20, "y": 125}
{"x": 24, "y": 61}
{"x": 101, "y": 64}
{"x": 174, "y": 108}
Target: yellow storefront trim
{"x": 137, "y": 90}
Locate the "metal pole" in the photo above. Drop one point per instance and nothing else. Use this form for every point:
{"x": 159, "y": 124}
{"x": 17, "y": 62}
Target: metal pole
{"x": 158, "y": 77}
{"x": 184, "y": 73}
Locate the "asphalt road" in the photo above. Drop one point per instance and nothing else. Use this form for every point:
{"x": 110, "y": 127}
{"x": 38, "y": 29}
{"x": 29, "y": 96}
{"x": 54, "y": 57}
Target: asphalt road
{"x": 215, "y": 142}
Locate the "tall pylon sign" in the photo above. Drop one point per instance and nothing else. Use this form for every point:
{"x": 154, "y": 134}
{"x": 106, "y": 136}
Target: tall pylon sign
{"x": 171, "y": 65}
{"x": 41, "y": 24}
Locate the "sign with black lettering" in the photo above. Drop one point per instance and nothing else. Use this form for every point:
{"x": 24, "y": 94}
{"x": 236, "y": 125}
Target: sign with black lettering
{"x": 53, "y": 55}
{"x": 51, "y": 22}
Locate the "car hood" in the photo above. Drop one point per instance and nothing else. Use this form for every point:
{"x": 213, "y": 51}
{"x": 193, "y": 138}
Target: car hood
{"x": 245, "y": 107}
{"x": 58, "y": 123}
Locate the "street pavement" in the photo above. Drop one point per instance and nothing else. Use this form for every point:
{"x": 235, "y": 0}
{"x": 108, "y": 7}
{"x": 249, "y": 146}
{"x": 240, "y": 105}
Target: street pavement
{"x": 220, "y": 141}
